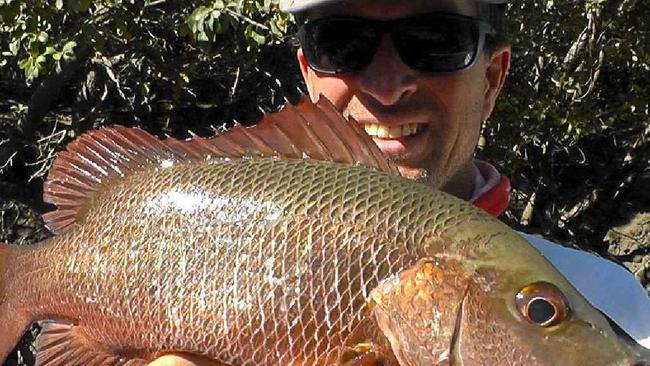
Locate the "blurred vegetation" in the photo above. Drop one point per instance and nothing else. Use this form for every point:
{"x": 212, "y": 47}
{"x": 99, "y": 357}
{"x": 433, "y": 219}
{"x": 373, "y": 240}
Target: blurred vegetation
{"x": 571, "y": 129}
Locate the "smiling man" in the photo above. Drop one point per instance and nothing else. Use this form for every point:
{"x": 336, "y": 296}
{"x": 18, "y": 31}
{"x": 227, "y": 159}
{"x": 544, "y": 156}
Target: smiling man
{"x": 422, "y": 76}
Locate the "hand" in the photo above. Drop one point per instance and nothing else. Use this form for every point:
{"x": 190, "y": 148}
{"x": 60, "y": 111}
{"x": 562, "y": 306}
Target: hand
{"x": 183, "y": 359}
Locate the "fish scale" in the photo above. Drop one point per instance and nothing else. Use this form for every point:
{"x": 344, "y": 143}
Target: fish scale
{"x": 218, "y": 248}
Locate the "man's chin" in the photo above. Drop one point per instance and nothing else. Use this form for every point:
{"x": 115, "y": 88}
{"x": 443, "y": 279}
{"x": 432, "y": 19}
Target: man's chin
{"x": 428, "y": 176}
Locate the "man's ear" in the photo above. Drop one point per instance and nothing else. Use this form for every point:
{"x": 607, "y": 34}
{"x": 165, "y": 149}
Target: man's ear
{"x": 304, "y": 69}
{"x": 302, "y": 61}
{"x": 496, "y": 73}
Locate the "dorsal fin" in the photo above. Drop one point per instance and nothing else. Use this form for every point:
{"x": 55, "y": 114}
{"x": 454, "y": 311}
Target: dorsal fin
{"x": 92, "y": 160}
{"x": 308, "y": 130}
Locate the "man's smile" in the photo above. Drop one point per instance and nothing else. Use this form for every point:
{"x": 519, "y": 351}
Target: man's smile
{"x": 391, "y": 133}
{"x": 398, "y": 140}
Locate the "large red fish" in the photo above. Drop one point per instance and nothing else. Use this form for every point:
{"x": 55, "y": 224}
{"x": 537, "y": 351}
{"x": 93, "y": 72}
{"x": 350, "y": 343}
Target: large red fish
{"x": 293, "y": 242}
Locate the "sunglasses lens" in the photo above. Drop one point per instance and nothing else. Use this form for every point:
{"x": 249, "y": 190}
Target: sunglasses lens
{"x": 444, "y": 44}
{"x": 339, "y": 45}
{"x": 432, "y": 43}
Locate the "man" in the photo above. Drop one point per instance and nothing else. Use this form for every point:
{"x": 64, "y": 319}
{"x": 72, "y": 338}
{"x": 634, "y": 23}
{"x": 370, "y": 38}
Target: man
{"x": 446, "y": 100}
{"x": 422, "y": 76}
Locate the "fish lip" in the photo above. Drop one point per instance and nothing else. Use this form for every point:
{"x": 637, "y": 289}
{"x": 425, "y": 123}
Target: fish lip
{"x": 455, "y": 357}
{"x": 640, "y": 354}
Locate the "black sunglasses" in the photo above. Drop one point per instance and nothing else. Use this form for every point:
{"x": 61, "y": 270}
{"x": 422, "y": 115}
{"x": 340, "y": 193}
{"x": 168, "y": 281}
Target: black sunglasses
{"x": 431, "y": 43}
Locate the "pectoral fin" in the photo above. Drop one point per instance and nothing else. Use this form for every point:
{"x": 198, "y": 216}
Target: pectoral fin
{"x": 361, "y": 355}
{"x": 61, "y": 344}
{"x": 366, "y": 345}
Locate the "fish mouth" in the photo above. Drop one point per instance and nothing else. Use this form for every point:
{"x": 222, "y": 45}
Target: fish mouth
{"x": 455, "y": 356}
{"x": 641, "y": 354}
{"x": 641, "y": 357}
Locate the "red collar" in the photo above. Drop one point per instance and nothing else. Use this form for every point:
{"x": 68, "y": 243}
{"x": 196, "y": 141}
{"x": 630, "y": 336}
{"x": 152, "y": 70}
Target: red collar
{"x": 496, "y": 200}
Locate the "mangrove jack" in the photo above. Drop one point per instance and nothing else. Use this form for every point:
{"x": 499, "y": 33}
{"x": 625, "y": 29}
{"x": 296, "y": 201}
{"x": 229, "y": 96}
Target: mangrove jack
{"x": 293, "y": 242}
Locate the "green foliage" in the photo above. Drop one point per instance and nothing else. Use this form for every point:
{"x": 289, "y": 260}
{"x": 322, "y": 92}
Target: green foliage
{"x": 140, "y": 62}
{"x": 564, "y": 67}
{"x": 572, "y": 126}
{"x": 138, "y": 56}
{"x": 38, "y": 35}
{"x": 206, "y": 23}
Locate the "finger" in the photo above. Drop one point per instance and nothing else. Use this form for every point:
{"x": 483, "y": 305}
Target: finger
{"x": 182, "y": 359}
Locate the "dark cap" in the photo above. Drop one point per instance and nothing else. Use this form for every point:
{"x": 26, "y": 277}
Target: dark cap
{"x": 295, "y": 6}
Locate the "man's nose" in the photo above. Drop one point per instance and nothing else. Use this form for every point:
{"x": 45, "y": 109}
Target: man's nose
{"x": 387, "y": 79}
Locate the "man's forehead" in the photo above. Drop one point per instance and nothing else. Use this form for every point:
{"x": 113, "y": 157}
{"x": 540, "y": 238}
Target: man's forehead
{"x": 387, "y": 9}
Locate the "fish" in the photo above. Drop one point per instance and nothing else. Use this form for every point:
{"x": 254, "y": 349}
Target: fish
{"x": 291, "y": 242}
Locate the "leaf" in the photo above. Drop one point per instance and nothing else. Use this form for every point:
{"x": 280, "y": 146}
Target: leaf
{"x": 33, "y": 66}
{"x": 279, "y": 26}
{"x": 24, "y": 63}
{"x": 256, "y": 38}
{"x": 13, "y": 47}
{"x": 184, "y": 77}
{"x": 42, "y": 37}
{"x": 67, "y": 53}
{"x": 202, "y": 37}
{"x": 31, "y": 73}
{"x": 196, "y": 22}
{"x": 69, "y": 46}
{"x": 210, "y": 21}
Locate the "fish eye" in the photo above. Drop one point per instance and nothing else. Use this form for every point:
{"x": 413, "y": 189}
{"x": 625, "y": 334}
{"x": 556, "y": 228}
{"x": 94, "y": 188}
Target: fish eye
{"x": 543, "y": 304}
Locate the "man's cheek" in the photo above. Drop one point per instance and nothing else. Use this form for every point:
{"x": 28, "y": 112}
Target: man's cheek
{"x": 335, "y": 88}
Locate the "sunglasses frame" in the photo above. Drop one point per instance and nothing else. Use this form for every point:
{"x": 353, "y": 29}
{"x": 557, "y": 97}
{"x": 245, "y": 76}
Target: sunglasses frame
{"x": 387, "y": 27}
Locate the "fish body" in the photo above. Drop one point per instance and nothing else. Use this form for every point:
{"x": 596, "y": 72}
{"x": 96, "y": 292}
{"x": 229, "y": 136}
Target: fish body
{"x": 247, "y": 256}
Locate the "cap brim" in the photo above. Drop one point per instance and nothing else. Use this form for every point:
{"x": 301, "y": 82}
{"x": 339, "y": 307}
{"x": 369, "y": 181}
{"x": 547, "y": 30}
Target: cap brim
{"x": 296, "y": 6}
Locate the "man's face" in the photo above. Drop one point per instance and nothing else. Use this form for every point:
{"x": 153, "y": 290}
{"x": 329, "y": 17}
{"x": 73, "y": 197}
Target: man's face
{"x": 390, "y": 99}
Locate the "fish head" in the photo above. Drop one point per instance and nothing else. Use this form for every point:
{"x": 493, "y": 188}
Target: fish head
{"x": 492, "y": 300}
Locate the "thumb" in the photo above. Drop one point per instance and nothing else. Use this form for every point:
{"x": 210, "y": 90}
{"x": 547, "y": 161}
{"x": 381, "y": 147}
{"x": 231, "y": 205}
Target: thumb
{"x": 184, "y": 359}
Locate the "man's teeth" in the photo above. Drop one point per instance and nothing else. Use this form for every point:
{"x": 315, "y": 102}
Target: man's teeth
{"x": 385, "y": 132}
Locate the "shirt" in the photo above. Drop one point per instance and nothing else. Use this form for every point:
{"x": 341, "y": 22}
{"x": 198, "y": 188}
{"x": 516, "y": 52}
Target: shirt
{"x": 491, "y": 189}
{"x": 607, "y": 286}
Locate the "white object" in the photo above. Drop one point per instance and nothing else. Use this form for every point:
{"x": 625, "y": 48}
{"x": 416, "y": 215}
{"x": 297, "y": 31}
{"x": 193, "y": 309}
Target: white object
{"x": 609, "y": 287}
